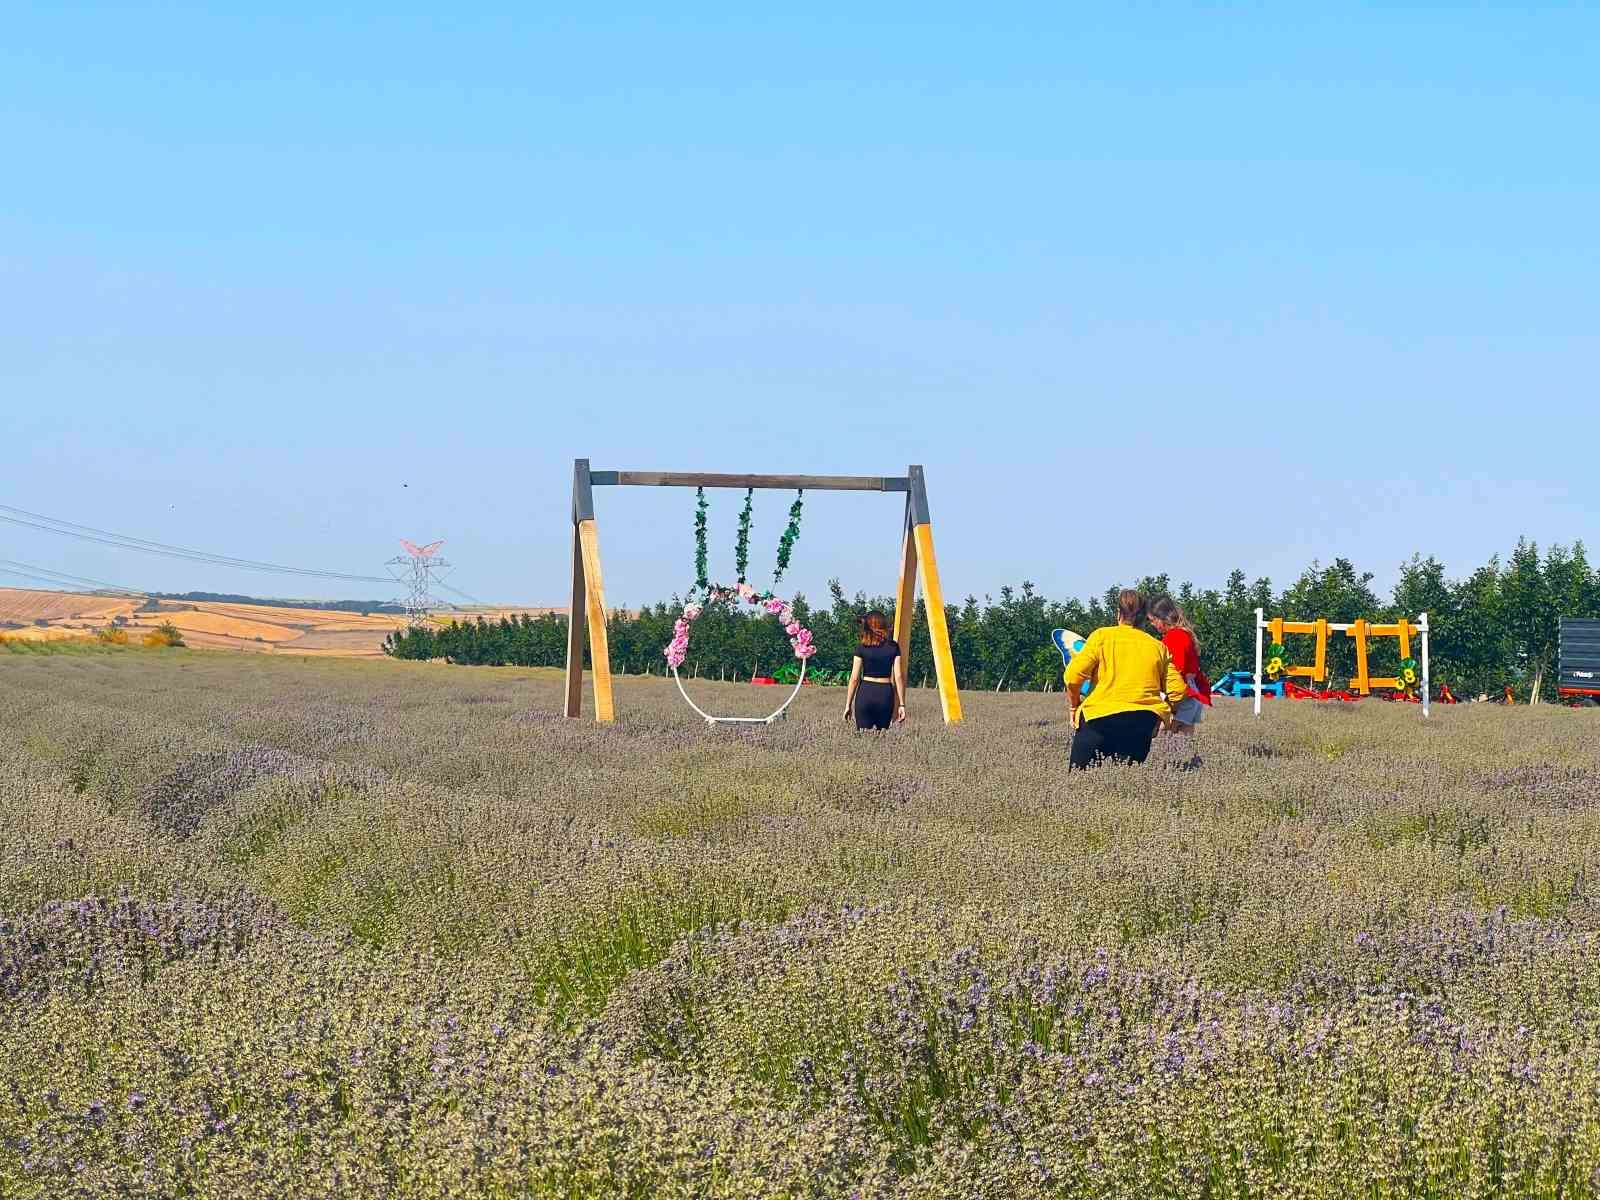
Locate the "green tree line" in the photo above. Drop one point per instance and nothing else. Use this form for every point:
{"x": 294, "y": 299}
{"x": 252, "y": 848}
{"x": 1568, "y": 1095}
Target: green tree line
{"x": 1493, "y": 627}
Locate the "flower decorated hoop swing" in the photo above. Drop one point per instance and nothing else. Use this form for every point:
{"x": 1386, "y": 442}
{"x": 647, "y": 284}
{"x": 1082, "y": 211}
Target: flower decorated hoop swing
{"x": 799, "y": 640}
{"x": 709, "y": 593}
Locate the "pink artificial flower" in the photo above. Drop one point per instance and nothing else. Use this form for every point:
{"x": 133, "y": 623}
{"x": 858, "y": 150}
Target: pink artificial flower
{"x": 746, "y": 590}
{"x": 787, "y": 615}
{"x": 792, "y": 628}
{"x": 803, "y": 637}
{"x": 691, "y": 611}
{"x": 774, "y": 607}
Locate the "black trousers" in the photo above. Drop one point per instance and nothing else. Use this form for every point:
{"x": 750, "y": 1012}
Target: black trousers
{"x": 1120, "y": 737}
{"x": 874, "y": 705}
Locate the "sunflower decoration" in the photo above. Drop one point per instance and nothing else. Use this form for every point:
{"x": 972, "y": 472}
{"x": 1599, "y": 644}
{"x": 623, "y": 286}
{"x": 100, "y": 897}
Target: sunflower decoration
{"x": 1277, "y": 660}
{"x": 1406, "y": 677}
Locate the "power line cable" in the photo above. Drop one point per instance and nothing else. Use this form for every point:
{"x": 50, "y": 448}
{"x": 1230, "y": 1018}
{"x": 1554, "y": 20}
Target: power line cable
{"x": 55, "y": 584}
{"x": 121, "y": 537}
{"x": 91, "y": 533}
{"x": 459, "y": 592}
{"x": 45, "y": 575}
{"x": 105, "y": 537}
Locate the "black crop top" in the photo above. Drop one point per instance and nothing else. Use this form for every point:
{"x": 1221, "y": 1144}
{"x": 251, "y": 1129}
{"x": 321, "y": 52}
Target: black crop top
{"x": 877, "y": 662}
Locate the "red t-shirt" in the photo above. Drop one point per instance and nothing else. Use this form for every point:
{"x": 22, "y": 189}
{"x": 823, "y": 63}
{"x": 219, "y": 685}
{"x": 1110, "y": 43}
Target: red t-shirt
{"x": 1186, "y": 657}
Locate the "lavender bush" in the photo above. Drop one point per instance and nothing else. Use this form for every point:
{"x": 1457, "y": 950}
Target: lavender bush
{"x": 278, "y": 927}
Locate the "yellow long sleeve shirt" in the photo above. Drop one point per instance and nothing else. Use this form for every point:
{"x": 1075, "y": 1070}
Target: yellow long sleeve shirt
{"x": 1131, "y": 670}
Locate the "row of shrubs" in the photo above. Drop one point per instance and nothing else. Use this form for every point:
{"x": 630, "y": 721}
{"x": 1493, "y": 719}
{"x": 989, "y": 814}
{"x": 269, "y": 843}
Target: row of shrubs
{"x": 164, "y": 634}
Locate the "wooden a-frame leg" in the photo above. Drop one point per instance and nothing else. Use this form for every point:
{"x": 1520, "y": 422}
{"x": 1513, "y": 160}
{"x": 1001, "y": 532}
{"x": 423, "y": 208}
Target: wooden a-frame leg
{"x": 905, "y": 596}
{"x": 577, "y": 627}
{"x": 944, "y": 663}
{"x": 588, "y": 611}
{"x": 919, "y": 555}
{"x": 595, "y": 614}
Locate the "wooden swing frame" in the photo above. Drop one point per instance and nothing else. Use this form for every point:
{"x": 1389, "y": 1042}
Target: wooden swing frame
{"x": 587, "y": 616}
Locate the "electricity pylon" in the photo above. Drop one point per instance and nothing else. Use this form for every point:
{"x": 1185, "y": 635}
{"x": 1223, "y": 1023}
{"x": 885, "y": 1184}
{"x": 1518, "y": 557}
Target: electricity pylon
{"x": 417, "y": 570}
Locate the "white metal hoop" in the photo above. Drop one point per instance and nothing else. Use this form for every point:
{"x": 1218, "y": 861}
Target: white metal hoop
{"x": 767, "y": 720}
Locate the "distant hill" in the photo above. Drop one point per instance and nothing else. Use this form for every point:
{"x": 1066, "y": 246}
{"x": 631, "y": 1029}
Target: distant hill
{"x": 356, "y": 606}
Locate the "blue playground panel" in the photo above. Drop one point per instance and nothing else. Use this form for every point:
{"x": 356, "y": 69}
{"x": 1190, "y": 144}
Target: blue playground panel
{"x": 1243, "y": 683}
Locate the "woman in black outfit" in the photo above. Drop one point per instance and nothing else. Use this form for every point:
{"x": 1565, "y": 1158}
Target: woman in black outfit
{"x": 877, "y": 692}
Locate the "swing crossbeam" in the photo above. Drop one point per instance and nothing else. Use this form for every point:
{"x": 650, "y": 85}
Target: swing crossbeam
{"x": 586, "y": 620}
{"x": 811, "y": 483}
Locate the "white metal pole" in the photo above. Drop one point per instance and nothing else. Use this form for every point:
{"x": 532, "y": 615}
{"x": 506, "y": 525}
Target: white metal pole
{"x": 1260, "y": 621}
{"x": 1426, "y": 686}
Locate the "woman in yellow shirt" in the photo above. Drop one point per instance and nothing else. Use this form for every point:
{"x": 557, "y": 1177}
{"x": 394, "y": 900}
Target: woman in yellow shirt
{"x": 1135, "y": 687}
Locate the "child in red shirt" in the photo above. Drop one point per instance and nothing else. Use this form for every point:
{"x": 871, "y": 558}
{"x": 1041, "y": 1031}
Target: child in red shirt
{"x": 1177, "y": 635}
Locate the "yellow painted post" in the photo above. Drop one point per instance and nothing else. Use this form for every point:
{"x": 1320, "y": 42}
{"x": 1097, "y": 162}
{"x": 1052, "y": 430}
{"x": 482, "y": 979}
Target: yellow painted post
{"x": 576, "y": 630}
{"x": 944, "y": 664}
{"x": 1280, "y": 629}
{"x": 595, "y": 613}
{"x": 1321, "y": 675}
{"x": 1358, "y": 630}
{"x": 1402, "y": 630}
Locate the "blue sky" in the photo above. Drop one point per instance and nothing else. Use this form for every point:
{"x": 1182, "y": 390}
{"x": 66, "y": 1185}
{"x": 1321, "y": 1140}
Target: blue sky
{"x": 1144, "y": 287}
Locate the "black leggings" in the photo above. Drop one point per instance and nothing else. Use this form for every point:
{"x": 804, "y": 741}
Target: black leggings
{"x": 1120, "y": 737}
{"x": 874, "y": 705}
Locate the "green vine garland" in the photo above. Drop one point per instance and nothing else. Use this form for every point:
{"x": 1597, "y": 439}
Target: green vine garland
{"x": 791, "y": 535}
{"x": 741, "y": 548}
{"x": 701, "y": 558}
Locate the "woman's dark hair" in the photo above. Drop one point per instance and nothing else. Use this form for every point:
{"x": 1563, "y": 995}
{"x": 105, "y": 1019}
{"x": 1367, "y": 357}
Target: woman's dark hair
{"x": 874, "y": 628}
{"x": 1130, "y": 606}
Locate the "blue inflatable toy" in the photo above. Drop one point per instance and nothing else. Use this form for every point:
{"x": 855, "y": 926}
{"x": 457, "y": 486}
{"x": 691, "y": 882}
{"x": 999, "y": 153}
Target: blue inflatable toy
{"x": 1070, "y": 643}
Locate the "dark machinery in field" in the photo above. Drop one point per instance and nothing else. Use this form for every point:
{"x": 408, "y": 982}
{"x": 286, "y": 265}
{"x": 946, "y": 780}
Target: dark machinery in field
{"x": 1578, "y": 661}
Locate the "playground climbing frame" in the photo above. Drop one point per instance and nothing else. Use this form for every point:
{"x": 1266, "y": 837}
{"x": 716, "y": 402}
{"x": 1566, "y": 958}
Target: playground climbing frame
{"x": 1360, "y": 632}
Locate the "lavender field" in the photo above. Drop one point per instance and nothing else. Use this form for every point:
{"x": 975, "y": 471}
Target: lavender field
{"x": 273, "y": 927}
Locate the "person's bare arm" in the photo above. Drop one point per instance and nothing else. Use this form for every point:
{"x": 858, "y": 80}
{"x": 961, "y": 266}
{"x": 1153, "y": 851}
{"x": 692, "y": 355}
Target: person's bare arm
{"x": 850, "y": 691}
{"x": 899, "y": 677}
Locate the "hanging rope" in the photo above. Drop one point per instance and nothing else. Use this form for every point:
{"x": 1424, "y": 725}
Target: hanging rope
{"x": 741, "y": 547}
{"x": 702, "y": 582}
{"x": 791, "y": 535}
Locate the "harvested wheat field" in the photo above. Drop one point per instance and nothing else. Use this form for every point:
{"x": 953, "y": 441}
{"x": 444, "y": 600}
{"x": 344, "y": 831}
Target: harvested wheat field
{"x": 216, "y": 625}
{"x": 35, "y": 615}
{"x": 288, "y": 927}
{"x": 24, "y": 606}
